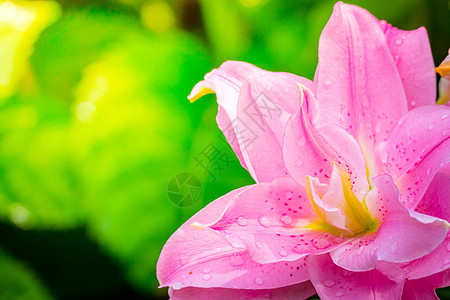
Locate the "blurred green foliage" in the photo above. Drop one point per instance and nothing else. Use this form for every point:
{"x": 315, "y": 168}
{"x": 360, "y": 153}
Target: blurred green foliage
{"x": 95, "y": 121}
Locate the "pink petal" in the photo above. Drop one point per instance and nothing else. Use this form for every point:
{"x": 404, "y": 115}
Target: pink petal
{"x": 275, "y": 96}
{"x": 357, "y": 78}
{"x": 309, "y": 150}
{"x": 293, "y": 292}
{"x": 422, "y": 289}
{"x": 201, "y": 258}
{"x": 412, "y": 54}
{"x": 403, "y": 236}
{"x": 270, "y": 221}
{"x": 418, "y": 147}
{"x": 333, "y": 282}
{"x": 259, "y": 144}
{"x": 434, "y": 203}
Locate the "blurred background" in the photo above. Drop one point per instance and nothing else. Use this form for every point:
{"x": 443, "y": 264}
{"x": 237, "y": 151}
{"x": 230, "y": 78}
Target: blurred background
{"x": 101, "y": 155}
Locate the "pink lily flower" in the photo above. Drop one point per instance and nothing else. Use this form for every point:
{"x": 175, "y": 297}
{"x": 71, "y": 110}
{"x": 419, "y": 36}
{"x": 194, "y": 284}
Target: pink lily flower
{"x": 351, "y": 169}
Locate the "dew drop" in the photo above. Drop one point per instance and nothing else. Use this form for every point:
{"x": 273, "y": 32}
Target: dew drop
{"x": 396, "y": 59}
{"x": 446, "y": 132}
{"x": 328, "y": 82}
{"x": 444, "y": 117}
{"x": 431, "y": 126}
{"x": 391, "y": 237}
{"x": 393, "y": 248}
{"x": 378, "y": 128}
{"x": 241, "y": 221}
{"x": 259, "y": 280}
{"x": 236, "y": 260}
{"x": 207, "y": 270}
{"x": 258, "y": 244}
{"x": 299, "y": 162}
{"x": 264, "y": 221}
{"x": 301, "y": 141}
{"x": 183, "y": 259}
{"x": 206, "y": 277}
{"x": 413, "y": 102}
{"x": 399, "y": 42}
{"x": 177, "y": 285}
{"x": 321, "y": 244}
{"x": 289, "y": 195}
{"x": 339, "y": 294}
{"x": 300, "y": 249}
{"x": 429, "y": 171}
{"x": 286, "y": 219}
{"x": 329, "y": 283}
{"x": 282, "y": 253}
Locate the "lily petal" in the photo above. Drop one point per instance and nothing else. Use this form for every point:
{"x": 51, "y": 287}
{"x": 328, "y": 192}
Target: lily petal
{"x": 412, "y": 54}
{"x": 275, "y": 222}
{"x": 201, "y": 258}
{"x": 338, "y": 283}
{"x": 413, "y": 156}
{"x": 402, "y": 236}
{"x": 264, "y": 151}
{"x": 310, "y": 150}
{"x": 434, "y": 203}
{"x": 293, "y": 292}
{"x": 275, "y": 94}
{"x": 356, "y": 66}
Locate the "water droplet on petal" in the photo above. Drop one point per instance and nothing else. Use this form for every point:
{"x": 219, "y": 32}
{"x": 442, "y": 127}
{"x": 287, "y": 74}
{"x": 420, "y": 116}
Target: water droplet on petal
{"x": 399, "y": 42}
{"x": 183, "y": 259}
{"x": 177, "y": 285}
{"x": 413, "y": 102}
{"x": 328, "y": 82}
{"x": 282, "y": 253}
{"x": 241, "y": 221}
{"x": 447, "y": 261}
{"x": 236, "y": 260}
{"x": 391, "y": 237}
{"x": 429, "y": 171}
{"x": 378, "y": 128}
{"x": 299, "y": 162}
{"x": 444, "y": 117}
{"x": 207, "y": 270}
{"x": 321, "y": 244}
{"x": 286, "y": 219}
{"x": 258, "y": 244}
{"x": 301, "y": 140}
{"x": 259, "y": 280}
{"x": 360, "y": 250}
{"x": 396, "y": 59}
{"x": 393, "y": 248}
{"x": 300, "y": 249}
{"x": 339, "y": 294}
{"x": 431, "y": 126}
{"x": 446, "y": 132}
{"x": 329, "y": 283}
{"x": 264, "y": 221}
{"x": 289, "y": 195}
{"x": 206, "y": 277}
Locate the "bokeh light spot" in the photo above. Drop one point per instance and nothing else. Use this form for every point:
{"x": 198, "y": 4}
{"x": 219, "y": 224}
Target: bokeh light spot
{"x": 86, "y": 111}
{"x": 158, "y": 16}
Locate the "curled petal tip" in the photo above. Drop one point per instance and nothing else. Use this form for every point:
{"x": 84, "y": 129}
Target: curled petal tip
{"x": 200, "y": 226}
{"x": 200, "y": 89}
